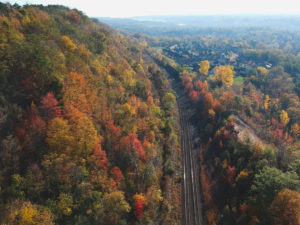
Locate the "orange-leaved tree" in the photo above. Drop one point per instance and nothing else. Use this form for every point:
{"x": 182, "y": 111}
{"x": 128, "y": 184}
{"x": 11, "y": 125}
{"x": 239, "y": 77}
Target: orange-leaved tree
{"x": 286, "y": 207}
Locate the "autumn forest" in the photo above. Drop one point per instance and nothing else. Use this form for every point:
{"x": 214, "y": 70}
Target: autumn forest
{"x": 123, "y": 124}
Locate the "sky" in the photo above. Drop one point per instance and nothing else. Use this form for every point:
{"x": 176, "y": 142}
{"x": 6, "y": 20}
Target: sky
{"x": 132, "y": 8}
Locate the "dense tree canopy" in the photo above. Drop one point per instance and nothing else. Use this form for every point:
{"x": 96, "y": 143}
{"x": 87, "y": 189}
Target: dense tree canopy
{"x": 85, "y": 122}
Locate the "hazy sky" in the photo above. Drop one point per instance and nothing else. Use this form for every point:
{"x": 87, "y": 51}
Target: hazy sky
{"x": 130, "y": 8}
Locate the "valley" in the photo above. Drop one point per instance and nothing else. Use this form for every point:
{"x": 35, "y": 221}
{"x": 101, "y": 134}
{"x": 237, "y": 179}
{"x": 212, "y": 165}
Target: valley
{"x": 164, "y": 120}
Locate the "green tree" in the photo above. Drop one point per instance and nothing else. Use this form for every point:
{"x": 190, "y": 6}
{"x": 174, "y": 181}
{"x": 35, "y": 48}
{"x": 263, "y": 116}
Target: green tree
{"x": 169, "y": 101}
{"x": 115, "y": 206}
{"x": 65, "y": 204}
{"x": 269, "y": 181}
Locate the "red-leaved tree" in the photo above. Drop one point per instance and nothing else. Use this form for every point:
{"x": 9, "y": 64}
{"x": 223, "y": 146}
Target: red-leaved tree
{"x": 138, "y": 209}
{"x": 49, "y": 106}
{"x": 100, "y": 157}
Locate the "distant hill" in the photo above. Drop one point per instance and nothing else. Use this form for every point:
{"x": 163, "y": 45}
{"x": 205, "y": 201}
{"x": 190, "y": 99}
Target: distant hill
{"x": 160, "y": 25}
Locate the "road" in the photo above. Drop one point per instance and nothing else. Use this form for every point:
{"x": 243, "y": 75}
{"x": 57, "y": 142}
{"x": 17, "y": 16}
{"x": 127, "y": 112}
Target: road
{"x": 191, "y": 197}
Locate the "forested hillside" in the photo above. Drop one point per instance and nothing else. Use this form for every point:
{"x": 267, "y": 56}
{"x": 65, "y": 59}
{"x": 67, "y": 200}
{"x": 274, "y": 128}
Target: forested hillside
{"x": 89, "y": 122}
{"x": 86, "y": 124}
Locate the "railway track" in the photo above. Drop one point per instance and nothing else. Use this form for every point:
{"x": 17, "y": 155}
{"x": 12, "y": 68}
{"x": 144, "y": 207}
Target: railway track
{"x": 191, "y": 193}
{"x": 191, "y": 197}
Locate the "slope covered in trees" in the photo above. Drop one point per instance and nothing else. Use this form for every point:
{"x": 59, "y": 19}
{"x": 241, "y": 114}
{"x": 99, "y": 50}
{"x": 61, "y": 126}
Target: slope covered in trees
{"x": 86, "y": 124}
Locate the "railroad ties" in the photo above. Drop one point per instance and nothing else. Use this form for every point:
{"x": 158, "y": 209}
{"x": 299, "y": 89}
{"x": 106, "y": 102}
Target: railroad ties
{"x": 191, "y": 197}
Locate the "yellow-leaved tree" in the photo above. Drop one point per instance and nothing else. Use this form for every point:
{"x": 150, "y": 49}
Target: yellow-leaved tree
{"x": 267, "y": 102}
{"x": 295, "y": 130}
{"x": 284, "y": 118}
{"x": 59, "y": 136}
{"x": 204, "y": 67}
{"x": 224, "y": 74}
{"x": 68, "y": 43}
{"x": 263, "y": 70}
{"x": 22, "y": 212}
{"x": 83, "y": 131}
